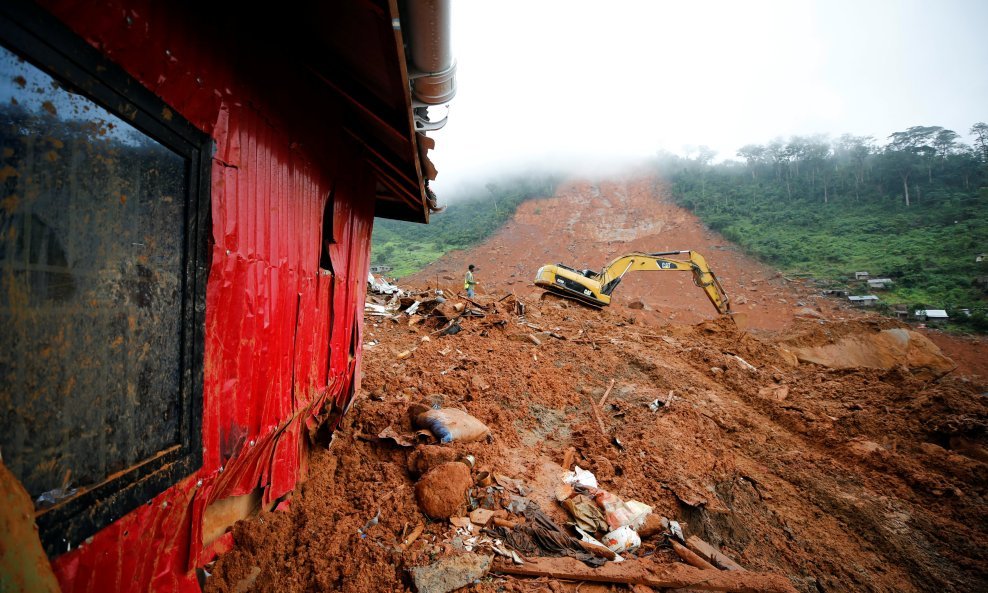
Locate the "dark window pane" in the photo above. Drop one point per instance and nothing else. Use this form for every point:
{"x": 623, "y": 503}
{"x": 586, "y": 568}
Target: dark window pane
{"x": 92, "y": 232}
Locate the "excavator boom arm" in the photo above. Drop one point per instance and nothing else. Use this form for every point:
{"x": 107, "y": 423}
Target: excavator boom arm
{"x": 703, "y": 276}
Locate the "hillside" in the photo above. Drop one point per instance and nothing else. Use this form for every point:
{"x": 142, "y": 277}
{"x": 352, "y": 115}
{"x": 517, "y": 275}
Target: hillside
{"x": 861, "y": 475}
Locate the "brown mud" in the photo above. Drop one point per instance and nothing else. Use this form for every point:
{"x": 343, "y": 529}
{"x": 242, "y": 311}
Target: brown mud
{"x": 840, "y": 479}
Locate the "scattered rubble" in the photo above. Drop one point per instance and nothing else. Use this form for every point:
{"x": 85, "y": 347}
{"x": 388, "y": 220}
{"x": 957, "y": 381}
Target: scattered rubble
{"x": 769, "y": 475}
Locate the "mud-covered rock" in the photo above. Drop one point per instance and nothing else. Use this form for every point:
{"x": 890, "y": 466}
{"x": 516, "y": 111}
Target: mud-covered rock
{"x": 884, "y": 349}
{"x": 450, "y": 573}
{"x": 441, "y": 493}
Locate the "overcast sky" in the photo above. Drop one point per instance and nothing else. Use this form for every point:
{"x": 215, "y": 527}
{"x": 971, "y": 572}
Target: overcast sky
{"x": 591, "y": 83}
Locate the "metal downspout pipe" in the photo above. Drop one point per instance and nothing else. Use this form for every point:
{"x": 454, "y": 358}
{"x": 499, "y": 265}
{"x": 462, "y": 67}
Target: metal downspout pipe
{"x": 433, "y": 70}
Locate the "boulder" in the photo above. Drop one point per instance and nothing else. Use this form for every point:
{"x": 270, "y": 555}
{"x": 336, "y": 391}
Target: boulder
{"x": 884, "y": 349}
{"x": 450, "y": 573}
{"x": 441, "y": 493}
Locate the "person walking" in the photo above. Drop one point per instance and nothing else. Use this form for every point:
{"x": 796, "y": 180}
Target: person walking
{"x": 468, "y": 282}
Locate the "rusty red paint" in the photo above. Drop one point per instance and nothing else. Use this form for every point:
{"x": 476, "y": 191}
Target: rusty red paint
{"x": 279, "y": 332}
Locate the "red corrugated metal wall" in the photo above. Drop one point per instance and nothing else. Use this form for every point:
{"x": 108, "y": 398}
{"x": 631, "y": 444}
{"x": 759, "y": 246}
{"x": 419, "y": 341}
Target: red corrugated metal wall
{"x": 278, "y": 329}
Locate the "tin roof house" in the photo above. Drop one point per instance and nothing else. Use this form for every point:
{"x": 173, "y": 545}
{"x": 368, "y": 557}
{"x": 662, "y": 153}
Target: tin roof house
{"x": 194, "y": 187}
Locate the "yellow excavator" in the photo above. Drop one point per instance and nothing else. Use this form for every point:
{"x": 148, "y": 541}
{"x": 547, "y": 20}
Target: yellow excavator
{"x": 594, "y": 289}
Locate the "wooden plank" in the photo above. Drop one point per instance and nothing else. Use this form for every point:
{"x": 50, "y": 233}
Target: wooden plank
{"x": 690, "y": 557}
{"x": 711, "y": 554}
{"x": 606, "y": 393}
{"x": 649, "y": 574}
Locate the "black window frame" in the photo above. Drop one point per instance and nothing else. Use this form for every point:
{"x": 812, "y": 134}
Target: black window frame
{"x": 48, "y": 44}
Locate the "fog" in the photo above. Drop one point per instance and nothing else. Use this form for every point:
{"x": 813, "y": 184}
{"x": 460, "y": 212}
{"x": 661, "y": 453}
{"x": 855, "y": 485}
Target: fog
{"x": 593, "y": 87}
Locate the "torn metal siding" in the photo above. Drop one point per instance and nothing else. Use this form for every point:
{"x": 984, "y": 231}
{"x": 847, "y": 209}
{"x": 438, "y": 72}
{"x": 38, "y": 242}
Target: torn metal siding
{"x": 279, "y": 331}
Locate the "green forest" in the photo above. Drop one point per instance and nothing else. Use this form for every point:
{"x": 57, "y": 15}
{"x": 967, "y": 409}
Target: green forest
{"x": 912, "y": 209}
{"x": 475, "y": 213}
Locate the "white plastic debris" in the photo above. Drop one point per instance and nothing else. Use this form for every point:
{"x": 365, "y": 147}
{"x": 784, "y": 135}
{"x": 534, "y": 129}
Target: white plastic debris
{"x": 745, "y": 363}
{"x": 380, "y": 286}
{"x": 622, "y": 539}
{"x": 580, "y": 477}
{"x": 592, "y": 540}
{"x": 677, "y": 530}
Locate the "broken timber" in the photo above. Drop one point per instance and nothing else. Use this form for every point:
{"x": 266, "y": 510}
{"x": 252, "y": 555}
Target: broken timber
{"x": 659, "y": 576}
{"x": 711, "y": 554}
{"x": 690, "y": 557}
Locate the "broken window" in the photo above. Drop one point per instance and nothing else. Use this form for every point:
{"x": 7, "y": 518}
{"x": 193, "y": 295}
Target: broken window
{"x": 101, "y": 271}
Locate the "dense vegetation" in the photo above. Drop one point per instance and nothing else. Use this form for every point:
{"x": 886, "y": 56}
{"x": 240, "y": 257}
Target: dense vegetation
{"x": 470, "y": 218}
{"x": 913, "y": 210}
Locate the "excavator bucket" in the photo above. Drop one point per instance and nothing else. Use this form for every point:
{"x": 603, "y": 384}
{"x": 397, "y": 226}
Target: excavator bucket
{"x": 740, "y": 319}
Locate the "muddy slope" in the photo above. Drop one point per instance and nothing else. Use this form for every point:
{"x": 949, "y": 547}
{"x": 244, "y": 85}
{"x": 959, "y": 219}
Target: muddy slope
{"x": 853, "y": 479}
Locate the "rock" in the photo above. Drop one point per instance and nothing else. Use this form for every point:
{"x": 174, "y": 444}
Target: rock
{"x": 806, "y": 312}
{"x": 865, "y": 447}
{"x": 479, "y": 383}
{"x": 885, "y": 349}
{"x": 788, "y": 358}
{"x": 458, "y": 307}
{"x": 776, "y": 392}
{"x": 637, "y": 304}
{"x": 451, "y": 573}
{"x": 716, "y": 370}
{"x": 426, "y": 457}
{"x": 932, "y": 449}
{"x": 481, "y": 516}
{"x": 441, "y": 492}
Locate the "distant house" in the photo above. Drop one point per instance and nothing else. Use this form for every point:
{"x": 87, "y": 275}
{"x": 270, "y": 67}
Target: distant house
{"x": 867, "y": 300}
{"x": 981, "y": 257}
{"x": 836, "y": 292}
{"x": 931, "y": 315}
{"x": 880, "y": 283}
{"x": 901, "y": 311}
{"x": 861, "y": 275}
{"x": 380, "y": 269}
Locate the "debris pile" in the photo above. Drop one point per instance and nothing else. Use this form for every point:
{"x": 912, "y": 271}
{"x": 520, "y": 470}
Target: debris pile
{"x": 759, "y": 471}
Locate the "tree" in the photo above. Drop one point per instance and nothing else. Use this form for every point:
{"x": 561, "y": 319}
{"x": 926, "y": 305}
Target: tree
{"x": 855, "y": 150}
{"x": 908, "y": 149}
{"x": 980, "y": 133}
{"x": 816, "y": 154}
{"x": 945, "y": 142}
{"x": 753, "y": 154}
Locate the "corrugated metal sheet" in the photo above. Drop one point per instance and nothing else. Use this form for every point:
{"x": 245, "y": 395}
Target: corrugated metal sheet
{"x": 279, "y": 332}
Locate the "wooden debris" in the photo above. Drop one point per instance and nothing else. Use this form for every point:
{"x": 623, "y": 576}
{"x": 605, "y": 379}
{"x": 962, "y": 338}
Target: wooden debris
{"x": 711, "y": 554}
{"x": 596, "y": 550}
{"x": 414, "y": 535}
{"x": 596, "y": 413}
{"x": 505, "y": 522}
{"x": 650, "y": 574}
{"x": 534, "y": 340}
{"x": 690, "y": 557}
{"x": 484, "y": 307}
{"x": 654, "y": 525}
{"x": 568, "y": 458}
{"x": 606, "y": 393}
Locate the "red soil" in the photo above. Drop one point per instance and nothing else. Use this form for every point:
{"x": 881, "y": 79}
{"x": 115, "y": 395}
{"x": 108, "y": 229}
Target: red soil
{"x": 841, "y": 480}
